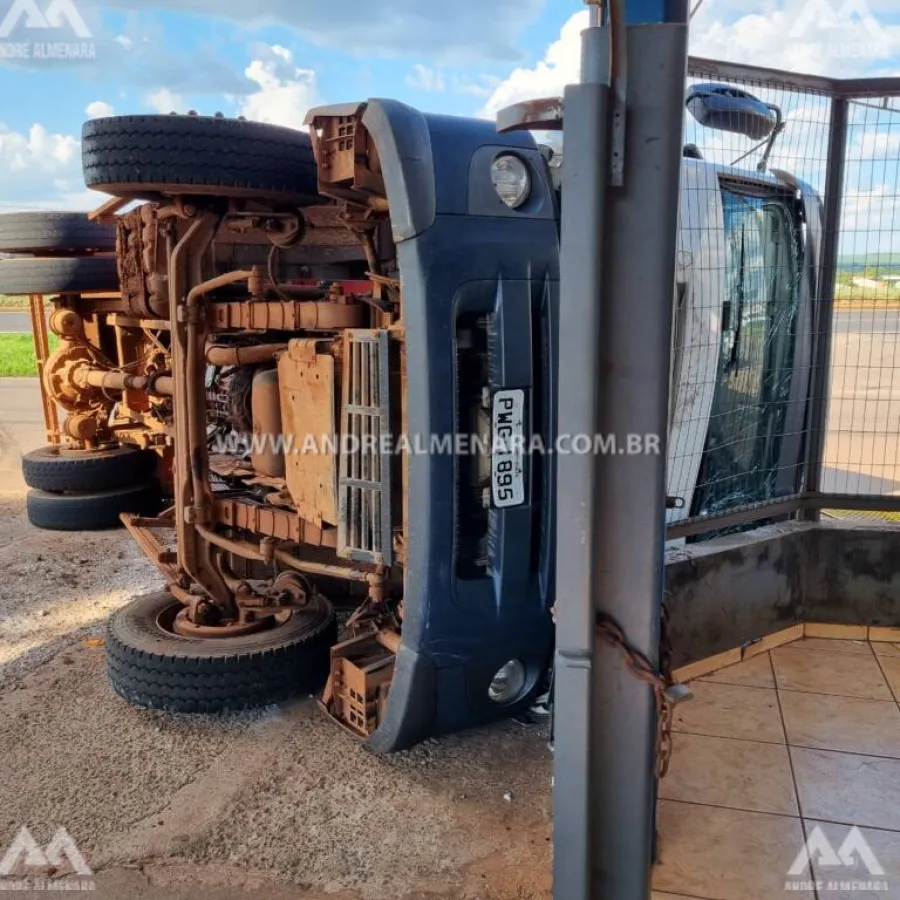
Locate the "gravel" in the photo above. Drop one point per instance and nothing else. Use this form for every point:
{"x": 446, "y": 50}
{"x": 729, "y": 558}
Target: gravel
{"x": 275, "y": 804}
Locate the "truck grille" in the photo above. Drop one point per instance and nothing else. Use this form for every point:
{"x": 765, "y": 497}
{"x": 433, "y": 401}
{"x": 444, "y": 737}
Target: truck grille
{"x": 364, "y": 478}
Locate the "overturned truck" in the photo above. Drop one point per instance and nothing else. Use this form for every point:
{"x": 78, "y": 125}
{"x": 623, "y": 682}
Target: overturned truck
{"x": 333, "y": 310}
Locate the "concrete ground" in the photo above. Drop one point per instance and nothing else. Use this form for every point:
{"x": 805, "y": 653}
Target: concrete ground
{"x": 275, "y": 805}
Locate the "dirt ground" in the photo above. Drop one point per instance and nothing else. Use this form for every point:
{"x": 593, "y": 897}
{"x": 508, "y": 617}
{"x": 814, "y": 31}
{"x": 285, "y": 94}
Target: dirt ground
{"x": 276, "y": 804}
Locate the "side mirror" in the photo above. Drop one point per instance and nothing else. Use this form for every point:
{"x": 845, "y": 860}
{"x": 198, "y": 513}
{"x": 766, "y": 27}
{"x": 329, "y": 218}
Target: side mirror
{"x": 727, "y": 108}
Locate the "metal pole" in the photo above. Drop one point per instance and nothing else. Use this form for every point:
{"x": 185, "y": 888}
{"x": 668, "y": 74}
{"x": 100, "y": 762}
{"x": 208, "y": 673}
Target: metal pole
{"x": 629, "y": 537}
{"x": 586, "y": 137}
{"x": 824, "y": 311}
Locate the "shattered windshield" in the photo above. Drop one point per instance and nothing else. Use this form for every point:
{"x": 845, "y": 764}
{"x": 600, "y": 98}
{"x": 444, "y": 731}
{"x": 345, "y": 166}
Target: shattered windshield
{"x": 743, "y": 457}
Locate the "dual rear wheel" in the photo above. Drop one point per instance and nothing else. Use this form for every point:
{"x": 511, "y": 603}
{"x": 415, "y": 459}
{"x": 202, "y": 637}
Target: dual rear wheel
{"x": 74, "y": 490}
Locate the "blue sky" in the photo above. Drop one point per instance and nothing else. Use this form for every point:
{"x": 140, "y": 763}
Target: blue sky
{"x": 272, "y": 59}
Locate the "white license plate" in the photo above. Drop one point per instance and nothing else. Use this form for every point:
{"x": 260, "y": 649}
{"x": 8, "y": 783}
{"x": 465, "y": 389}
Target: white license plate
{"x": 508, "y": 457}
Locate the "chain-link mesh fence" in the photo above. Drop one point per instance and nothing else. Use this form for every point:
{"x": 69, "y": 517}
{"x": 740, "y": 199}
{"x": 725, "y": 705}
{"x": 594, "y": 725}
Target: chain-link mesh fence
{"x": 785, "y": 377}
{"x": 863, "y": 424}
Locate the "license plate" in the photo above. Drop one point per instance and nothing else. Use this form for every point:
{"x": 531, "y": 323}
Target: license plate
{"x": 508, "y": 456}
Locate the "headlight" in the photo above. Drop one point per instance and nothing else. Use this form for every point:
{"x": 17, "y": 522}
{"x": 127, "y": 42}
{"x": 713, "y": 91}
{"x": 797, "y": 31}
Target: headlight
{"x": 512, "y": 180}
{"x": 509, "y": 682}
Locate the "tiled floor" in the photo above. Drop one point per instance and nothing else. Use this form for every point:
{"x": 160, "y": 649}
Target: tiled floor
{"x": 798, "y": 744}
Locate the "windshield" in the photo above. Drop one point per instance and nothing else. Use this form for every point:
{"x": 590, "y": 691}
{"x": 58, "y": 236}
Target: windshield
{"x": 743, "y": 457}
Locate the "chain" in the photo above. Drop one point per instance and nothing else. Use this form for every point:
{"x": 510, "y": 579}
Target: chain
{"x": 660, "y": 680}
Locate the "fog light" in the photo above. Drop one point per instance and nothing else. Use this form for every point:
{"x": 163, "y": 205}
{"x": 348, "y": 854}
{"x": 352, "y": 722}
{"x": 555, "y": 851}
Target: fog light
{"x": 512, "y": 180}
{"x": 508, "y": 683}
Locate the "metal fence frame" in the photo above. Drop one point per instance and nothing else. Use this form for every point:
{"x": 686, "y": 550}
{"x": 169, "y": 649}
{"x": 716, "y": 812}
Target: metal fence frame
{"x": 811, "y": 500}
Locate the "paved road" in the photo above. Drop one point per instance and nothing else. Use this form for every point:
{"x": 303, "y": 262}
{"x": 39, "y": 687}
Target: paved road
{"x": 15, "y": 322}
{"x": 863, "y": 321}
{"x": 21, "y": 428}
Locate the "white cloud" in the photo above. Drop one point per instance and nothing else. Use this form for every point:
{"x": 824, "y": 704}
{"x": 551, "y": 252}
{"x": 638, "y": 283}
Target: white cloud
{"x": 482, "y": 86}
{"x": 38, "y": 150}
{"x": 42, "y": 170}
{"x": 164, "y": 101}
{"x": 819, "y": 37}
{"x": 424, "y": 79}
{"x": 284, "y": 92}
{"x": 560, "y": 66}
{"x": 837, "y": 38}
{"x": 99, "y": 109}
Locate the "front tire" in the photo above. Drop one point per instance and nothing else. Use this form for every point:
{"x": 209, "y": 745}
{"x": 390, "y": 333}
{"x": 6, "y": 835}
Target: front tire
{"x": 152, "y": 667}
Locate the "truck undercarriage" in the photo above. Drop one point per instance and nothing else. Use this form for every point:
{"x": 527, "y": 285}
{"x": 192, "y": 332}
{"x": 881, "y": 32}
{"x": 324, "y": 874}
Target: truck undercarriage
{"x": 258, "y": 347}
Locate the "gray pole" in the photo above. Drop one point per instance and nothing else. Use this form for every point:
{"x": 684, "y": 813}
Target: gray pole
{"x": 585, "y": 176}
{"x": 629, "y": 538}
{"x": 824, "y": 311}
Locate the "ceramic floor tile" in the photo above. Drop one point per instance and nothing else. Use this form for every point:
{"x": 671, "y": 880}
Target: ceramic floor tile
{"x": 842, "y": 723}
{"x": 869, "y": 882}
{"x": 726, "y": 710}
{"x": 844, "y": 674}
{"x": 755, "y": 672}
{"x": 833, "y": 645}
{"x": 736, "y": 774}
{"x": 656, "y": 895}
{"x": 891, "y": 667}
{"x": 847, "y": 788}
{"x": 726, "y": 854}
{"x": 883, "y": 648}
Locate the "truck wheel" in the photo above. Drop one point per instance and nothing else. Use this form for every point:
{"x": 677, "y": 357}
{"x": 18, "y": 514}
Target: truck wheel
{"x": 139, "y": 155}
{"x": 90, "y": 511}
{"x": 55, "y": 233}
{"x": 151, "y": 666}
{"x": 58, "y": 469}
{"x": 59, "y": 276}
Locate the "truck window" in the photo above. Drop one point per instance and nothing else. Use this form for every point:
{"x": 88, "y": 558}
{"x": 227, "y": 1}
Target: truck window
{"x": 760, "y": 309}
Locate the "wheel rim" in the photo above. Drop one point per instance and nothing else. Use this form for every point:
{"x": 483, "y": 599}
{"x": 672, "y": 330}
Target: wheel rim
{"x": 174, "y": 620}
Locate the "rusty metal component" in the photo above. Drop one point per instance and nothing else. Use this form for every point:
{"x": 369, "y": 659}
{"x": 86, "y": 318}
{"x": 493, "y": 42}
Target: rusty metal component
{"x": 157, "y": 385}
{"x": 667, "y": 693}
{"x": 361, "y": 672}
{"x": 308, "y": 377}
{"x": 66, "y": 323}
{"x": 243, "y": 356}
{"x": 81, "y": 427}
{"x": 62, "y": 382}
{"x": 271, "y": 521}
{"x": 349, "y": 165}
{"x": 106, "y": 214}
{"x": 290, "y": 589}
{"x": 285, "y": 315}
{"x": 268, "y": 452}
{"x": 324, "y": 570}
{"x": 139, "y": 529}
{"x": 191, "y": 488}
{"x": 186, "y": 628}
{"x": 545, "y": 114}
{"x": 195, "y": 397}
{"x": 142, "y": 257}
{"x": 41, "y": 355}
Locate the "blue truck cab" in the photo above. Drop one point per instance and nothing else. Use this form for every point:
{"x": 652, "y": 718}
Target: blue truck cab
{"x": 479, "y": 277}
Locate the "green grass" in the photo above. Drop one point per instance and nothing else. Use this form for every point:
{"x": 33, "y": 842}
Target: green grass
{"x": 17, "y": 355}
